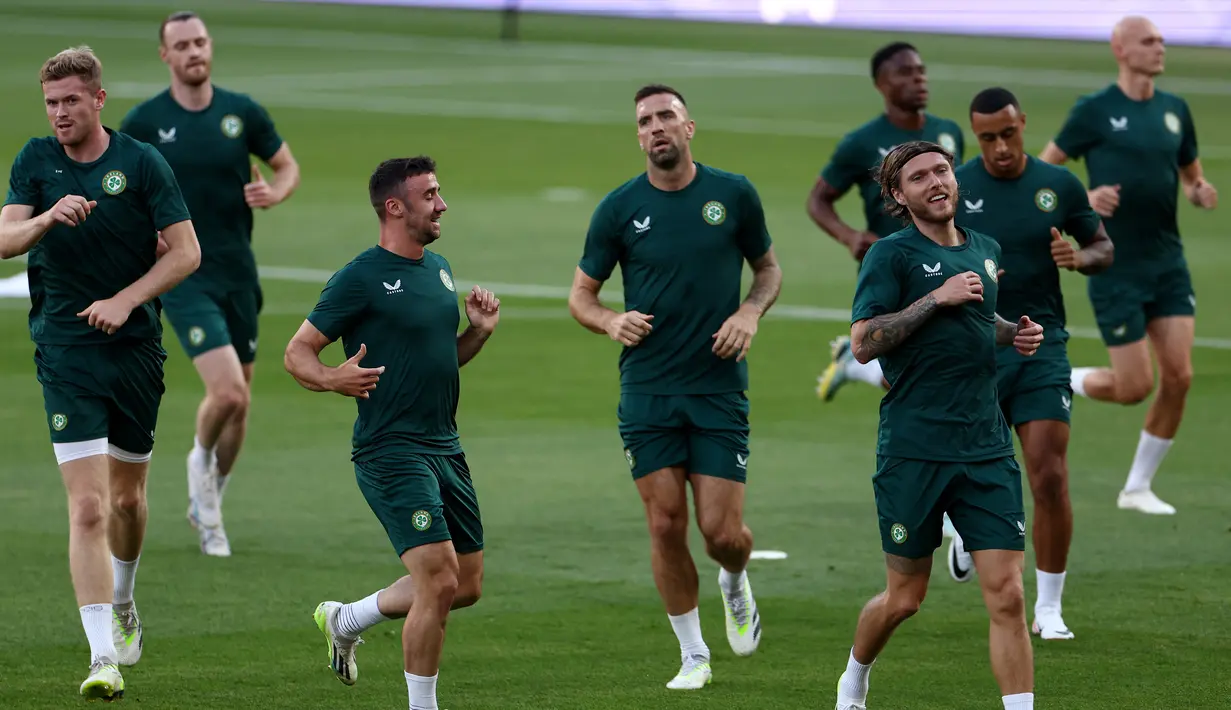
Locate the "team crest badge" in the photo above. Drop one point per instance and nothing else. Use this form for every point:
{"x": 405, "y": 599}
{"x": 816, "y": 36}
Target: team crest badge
{"x": 898, "y": 533}
{"x": 59, "y": 421}
{"x": 946, "y": 141}
{"x": 991, "y": 269}
{"x": 1045, "y": 200}
{"x": 232, "y": 125}
{"x": 196, "y": 335}
{"x": 421, "y": 519}
{"x": 1172, "y": 122}
{"x": 114, "y": 182}
{"x": 714, "y": 212}
{"x": 444, "y": 279}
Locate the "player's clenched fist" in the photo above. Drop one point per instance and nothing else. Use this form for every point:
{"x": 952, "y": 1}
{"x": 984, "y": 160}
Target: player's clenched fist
{"x": 72, "y": 210}
{"x": 1029, "y": 336}
{"x": 351, "y": 380}
{"x": 629, "y": 328}
{"x": 966, "y": 286}
{"x": 1063, "y": 252}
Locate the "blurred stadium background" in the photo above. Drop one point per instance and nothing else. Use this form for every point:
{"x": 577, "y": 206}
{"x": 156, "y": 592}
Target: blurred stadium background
{"x": 529, "y": 135}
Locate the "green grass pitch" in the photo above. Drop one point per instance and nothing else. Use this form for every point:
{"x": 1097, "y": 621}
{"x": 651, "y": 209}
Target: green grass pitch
{"x": 529, "y": 136}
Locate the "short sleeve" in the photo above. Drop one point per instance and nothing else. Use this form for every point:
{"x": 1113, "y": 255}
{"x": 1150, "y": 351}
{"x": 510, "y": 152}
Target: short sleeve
{"x": 602, "y": 249}
{"x": 23, "y": 188}
{"x": 263, "y": 138}
{"x": 753, "y": 235}
{"x": 164, "y": 200}
{"x": 341, "y": 304}
{"x": 879, "y": 289}
{"x": 1080, "y": 219}
{"x": 1188, "y": 138}
{"x": 846, "y": 167}
{"x": 1078, "y": 134}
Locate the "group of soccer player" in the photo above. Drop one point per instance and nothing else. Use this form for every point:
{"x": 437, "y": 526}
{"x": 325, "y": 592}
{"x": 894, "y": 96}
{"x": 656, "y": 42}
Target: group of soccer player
{"x": 945, "y": 454}
{"x": 117, "y": 222}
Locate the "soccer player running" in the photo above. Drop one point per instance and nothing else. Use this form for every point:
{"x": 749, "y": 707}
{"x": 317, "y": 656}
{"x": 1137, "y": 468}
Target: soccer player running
{"x": 1027, "y": 205}
{"x": 681, "y": 232}
{"x": 206, "y": 134}
{"x": 901, "y": 78}
{"x": 395, "y": 309}
{"x": 926, "y": 305}
{"x": 1140, "y": 146}
{"x": 87, "y": 205}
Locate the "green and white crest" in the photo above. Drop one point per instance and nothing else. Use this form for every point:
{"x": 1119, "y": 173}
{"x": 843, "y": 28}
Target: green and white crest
{"x": 991, "y": 269}
{"x": 196, "y": 335}
{"x": 898, "y": 533}
{"x": 421, "y": 519}
{"x": 444, "y": 279}
{"x": 632, "y": 460}
{"x": 1045, "y": 200}
{"x": 232, "y": 125}
{"x": 714, "y": 212}
{"x": 1172, "y": 122}
{"x": 59, "y": 421}
{"x": 946, "y": 141}
{"x": 114, "y": 182}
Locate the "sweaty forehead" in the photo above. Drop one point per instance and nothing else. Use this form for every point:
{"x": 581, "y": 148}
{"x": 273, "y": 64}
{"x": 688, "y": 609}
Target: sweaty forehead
{"x": 660, "y": 102}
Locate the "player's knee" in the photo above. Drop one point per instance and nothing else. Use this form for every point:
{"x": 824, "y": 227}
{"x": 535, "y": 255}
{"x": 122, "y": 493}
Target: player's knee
{"x": 1134, "y": 389}
{"x": 467, "y": 594}
{"x": 1176, "y": 380}
{"x": 1049, "y": 480}
{"x": 232, "y": 399}
{"x": 441, "y": 591}
{"x": 724, "y": 537}
{"x": 1005, "y": 595}
{"x": 87, "y": 511}
{"x": 904, "y": 603}
{"x": 668, "y": 523}
{"x": 127, "y": 503}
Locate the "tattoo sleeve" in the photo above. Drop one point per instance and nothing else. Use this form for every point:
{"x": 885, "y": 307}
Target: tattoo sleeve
{"x": 1098, "y": 253}
{"x": 766, "y": 282}
{"x": 1005, "y": 331}
{"x": 884, "y": 333}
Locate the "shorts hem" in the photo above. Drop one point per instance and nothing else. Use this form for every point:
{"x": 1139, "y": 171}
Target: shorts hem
{"x": 403, "y": 548}
{"x": 979, "y": 547}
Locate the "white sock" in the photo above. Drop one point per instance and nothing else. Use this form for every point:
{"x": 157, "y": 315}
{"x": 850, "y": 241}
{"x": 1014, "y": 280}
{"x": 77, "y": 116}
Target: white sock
{"x": 124, "y": 575}
{"x": 355, "y": 618}
{"x": 422, "y": 690}
{"x": 1150, "y": 452}
{"x": 1051, "y": 588}
{"x": 1021, "y": 701}
{"x": 1077, "y": 380}
{"x": 854, "y": 682}
{"x": 688, "y": 631}
{"x": 202, "y": 456}
{"x": 731, "y": 583}
{"x": 96, "y": 619}
{"x": 870, "y": 373}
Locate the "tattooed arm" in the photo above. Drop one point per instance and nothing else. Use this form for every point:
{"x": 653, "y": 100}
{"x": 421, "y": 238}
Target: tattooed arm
{"x": 873, "y": 337}
{"x": 1005, "y": 331}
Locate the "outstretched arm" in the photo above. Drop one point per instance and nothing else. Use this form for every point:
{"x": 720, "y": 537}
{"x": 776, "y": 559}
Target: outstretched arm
{"x": 873, "y": 337}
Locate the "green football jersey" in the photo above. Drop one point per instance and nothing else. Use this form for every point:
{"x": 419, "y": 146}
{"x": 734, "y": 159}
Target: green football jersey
{"x": 942, "y": 403}
{"x": 1140, "y": 146}
{"x": 681, "y": 254}
{"x": 209, "y": 152}
{"x": 1019, "y": 215}
{"x": 858, "y": 154}
{"x": 406, "y": 312}
{"x": 72, "y": 267}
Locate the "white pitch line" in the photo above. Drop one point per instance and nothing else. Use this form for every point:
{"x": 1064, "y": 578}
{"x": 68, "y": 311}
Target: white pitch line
{"x": 781, "y": 310}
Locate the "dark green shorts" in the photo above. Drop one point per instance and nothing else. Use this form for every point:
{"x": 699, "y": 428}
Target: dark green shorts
{"x": 1035, "y": 390}
{"x": 707, "y": 434}
{"x": 983, "y": 499}
{"x": 205, "y": 319}
{"x": 1124, "y": 304}
{"x": 107, "y": 391}
{"x": 423, "y": 498}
